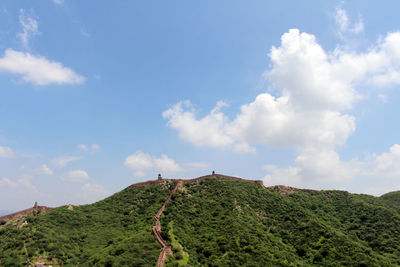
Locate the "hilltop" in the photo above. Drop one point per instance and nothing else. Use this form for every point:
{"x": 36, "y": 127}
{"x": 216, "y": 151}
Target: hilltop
{"x": 213, "y": 220}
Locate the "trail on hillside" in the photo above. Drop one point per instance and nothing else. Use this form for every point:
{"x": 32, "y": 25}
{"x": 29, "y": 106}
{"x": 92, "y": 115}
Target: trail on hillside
{"x": 166, "y": 249}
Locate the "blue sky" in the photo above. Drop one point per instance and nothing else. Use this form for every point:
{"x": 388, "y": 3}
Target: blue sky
{"x": 97, "y": 95}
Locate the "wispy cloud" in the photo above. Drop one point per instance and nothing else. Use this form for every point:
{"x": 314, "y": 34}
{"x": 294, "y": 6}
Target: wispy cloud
{"x": 62, "y": 161}
{"x": 76, "y": 176}
{"x": 94, "y": 189}
{"x": 6, "y": 152}
{"x": 58, "y": 2}
{"x": 84, "y": 33}
{"x": 91, "y": 148}
{"x": 42, "y": 169}
{"x": 29, "y": 27}
{"x": 344, "y": 24}
{"x": 22, "y": 182}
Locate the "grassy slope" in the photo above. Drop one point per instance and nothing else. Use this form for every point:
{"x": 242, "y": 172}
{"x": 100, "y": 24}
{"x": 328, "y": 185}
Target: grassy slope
{"x": 115, "y": 231}
{"x": 226, "y": 223}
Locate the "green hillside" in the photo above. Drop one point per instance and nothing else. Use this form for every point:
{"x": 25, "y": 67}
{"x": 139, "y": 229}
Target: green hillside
{"x": 213, "y": 222}
{"x": 112, "y": 232}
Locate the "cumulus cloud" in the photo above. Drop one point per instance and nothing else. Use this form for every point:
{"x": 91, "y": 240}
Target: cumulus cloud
{"x": 141, "y": 161}
{"x": 314, "y": 90}
{"x": 37, "y": 69}
{"x": 387, "y": 164}
{"x": 319, "y": 168}
{"x": 314, "y": 168}
{"x": 166, "y": 164}
{"x": 6, "y": 152}
{"x": 61, "y": 162}
{"x": 29, "y": 27}
{"x": 76, "y": 176}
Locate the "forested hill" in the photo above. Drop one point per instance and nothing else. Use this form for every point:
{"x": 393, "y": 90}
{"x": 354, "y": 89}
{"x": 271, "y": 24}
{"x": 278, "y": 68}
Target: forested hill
{"x": 210, "y": 222}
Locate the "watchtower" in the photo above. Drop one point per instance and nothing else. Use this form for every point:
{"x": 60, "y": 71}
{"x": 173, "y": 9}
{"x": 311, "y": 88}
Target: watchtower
{"x": 159, "y": 176}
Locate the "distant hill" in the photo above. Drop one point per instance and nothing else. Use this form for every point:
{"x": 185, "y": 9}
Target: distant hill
{"x": 5, "y": 212}
{"x": 214, "y": 221}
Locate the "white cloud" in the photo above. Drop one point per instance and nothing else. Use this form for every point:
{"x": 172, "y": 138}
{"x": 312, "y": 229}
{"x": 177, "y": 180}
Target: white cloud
{"x": 316, "y": 88}
{"x": 61, "y": 162}
{"x": 94, "y": 189}
{"x": 324, "y": 169}
{"x": 207, "y": 131}
{"x": 22, "y": 183}
{"x": 76, "y": 176}
{"x": 29, "y": 27}
{"x": 93, "y": 147}
{"x": 37, "y": 69}
{"x": 387, "y": 164}
{"x": 6, "y": 152}
{"x": 343, "y": 22}
{"x": 166, "y": 164}
{"x": 58, "y": 2}
{"x": 44, "y": 169}
{"x": 314, "y": 168}
{"x": 82, "y": 147}
{"x": 141, "y": 162}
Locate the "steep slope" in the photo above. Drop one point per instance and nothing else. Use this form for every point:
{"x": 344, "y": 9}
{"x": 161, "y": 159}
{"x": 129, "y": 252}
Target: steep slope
{"x": 211, "y": 221}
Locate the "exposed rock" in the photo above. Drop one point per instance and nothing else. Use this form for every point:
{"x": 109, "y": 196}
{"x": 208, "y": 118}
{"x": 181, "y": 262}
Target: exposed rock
{"x": 238, "y": 208}
{"x": 283, "y": 189}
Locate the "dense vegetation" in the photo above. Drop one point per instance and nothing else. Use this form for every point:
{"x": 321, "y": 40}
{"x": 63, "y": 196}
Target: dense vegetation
{"x": 215, "y": 222}
{"x": 226, "y": 223}
{"x": 112, "y": 232}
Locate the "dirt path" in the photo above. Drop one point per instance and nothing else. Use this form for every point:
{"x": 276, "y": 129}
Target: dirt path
{"x": 166, "y": 249}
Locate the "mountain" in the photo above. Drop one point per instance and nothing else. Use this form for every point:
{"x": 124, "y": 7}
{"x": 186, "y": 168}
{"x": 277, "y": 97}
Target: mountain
{"x": 210, "y": 221}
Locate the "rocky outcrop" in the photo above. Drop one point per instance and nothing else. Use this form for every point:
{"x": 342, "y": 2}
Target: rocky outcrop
{"x": 283, "y": 189}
